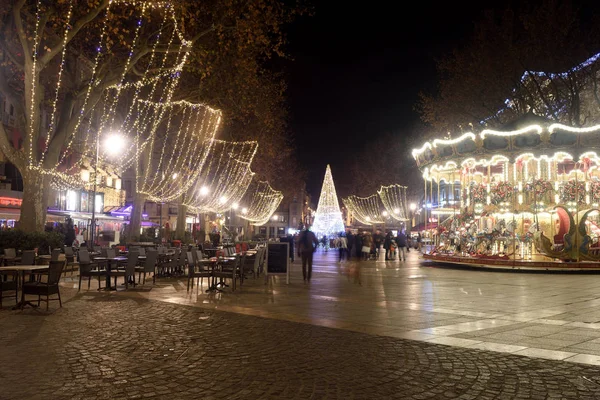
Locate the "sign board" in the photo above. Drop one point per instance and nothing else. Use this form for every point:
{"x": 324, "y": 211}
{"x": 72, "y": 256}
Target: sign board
{"x": 278, "y": 259}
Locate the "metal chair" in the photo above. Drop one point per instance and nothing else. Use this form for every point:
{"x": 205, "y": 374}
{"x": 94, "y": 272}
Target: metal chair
{"x": 48, "y": 288}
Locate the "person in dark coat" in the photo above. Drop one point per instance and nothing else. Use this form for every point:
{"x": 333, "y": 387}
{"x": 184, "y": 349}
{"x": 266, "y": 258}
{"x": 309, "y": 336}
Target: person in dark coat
{"x": 387, "y": 243}
{"x": 307, "y": 245}
{"x": 358, "y": 242}
{"x": 350, "y": 238}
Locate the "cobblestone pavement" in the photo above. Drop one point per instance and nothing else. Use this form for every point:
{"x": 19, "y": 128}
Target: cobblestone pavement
{"x": 102, "y": 346}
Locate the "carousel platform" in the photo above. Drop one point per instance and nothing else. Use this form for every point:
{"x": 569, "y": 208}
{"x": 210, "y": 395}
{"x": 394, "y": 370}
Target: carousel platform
{"x": 506, "y": 263}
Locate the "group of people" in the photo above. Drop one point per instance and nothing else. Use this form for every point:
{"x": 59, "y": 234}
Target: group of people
{"x": 366, "y": 246}
{"x": 362, "y": 246}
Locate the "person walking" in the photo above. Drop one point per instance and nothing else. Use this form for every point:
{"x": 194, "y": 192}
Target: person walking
{"x": 358, "y": 243}
{"x": 401, "y": 241}
{"x": 342, "y": 245}
{"x": 419, "y": 241}
{"x": 367, "y": 243}
{"x": 377, "y": 241}
{"x": 350, "y": 240}
{"x": 307, "y": 245}
{"x": 387, "y": 244}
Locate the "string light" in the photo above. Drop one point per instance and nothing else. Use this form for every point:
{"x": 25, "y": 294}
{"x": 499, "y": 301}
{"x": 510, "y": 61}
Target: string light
{"x": 393, "y": 198}
{"x": 263, "y": 202}
{"x": 225, "y": 175}
{"x": 328, "y": 217}
{"x": 184, "y": 145}
{"x": 365, "y": 209}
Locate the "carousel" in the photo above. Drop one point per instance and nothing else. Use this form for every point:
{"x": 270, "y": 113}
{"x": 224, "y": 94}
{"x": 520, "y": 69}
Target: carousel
{"x": 524, "y": 197}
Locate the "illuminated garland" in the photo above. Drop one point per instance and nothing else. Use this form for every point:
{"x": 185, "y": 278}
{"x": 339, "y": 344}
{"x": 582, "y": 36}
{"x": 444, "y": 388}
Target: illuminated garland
{"x": 595, "y": 191}
{"x": 573, "y": 191}
{"x": 478, "y": 192}
{"x": 263, "y": 202}
{"x": 328, "y": 217}
{"x": 224, "y": 178}
{"x": 129, "y": 96}
{"x": 174, "y": 159}
{"x": 502, "y": 192}
{"x": 365, "y": 209}
{"x": 540, "y": 186}
{"x": 393, "y": 198}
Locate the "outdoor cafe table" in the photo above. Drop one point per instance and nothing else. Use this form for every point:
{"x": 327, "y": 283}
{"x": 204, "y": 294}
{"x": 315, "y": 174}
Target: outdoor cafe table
{"x": 21, "y": 269}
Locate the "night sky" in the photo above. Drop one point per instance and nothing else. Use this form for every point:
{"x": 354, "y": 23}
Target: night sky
{"x": 357, "y": 72}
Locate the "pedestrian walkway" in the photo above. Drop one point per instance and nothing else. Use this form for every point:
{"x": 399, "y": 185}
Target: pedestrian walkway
{"x": 101, "y": 346}
{"x": 554, "y": 316}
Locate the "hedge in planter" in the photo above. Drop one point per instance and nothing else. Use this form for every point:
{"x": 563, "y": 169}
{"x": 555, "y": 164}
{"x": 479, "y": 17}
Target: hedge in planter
{"x": 20, "y": 240}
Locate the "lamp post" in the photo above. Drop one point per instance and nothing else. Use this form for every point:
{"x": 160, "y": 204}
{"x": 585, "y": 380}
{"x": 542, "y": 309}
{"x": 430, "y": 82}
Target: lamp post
{"x": 114, "y": 143}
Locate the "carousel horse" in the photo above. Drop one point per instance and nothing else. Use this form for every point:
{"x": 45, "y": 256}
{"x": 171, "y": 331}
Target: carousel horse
{"x": 511, "y": 227}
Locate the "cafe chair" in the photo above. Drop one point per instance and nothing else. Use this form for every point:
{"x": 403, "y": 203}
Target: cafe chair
{"x": 88, "y": 269}
{"x": 48, "y": 288}
{"x": 70, "y": 256}
{"x": 8, "y": 285}
{"x": 149, "y": 266}
{"x": 129, "y": 272}
{"x": 193, "y": 273}
{"x": 10, "y": 256}
{"x": 28, "y": 257}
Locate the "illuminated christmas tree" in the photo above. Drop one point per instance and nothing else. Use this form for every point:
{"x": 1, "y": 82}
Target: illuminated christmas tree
{"x": 328, "y": 218}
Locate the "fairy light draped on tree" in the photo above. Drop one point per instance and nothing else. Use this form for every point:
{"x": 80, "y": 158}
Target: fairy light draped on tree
{"x": 173, "y": 159}
{"x": 393, "y": 198}
{"x": 260, "y": 202}
{"x": 125, "y": 76}
{"x": 328, "y": 217}
{"x": 365, "y": 209}
{"x": 225, "y": 177}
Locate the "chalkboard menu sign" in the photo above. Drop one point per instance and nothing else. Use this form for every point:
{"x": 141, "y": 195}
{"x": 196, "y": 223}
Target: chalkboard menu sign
{"x": 278, "y": 259}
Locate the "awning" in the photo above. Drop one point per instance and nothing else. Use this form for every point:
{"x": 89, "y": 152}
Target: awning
{"x": 10, "y": 213}
{"x": 84, "y": 216}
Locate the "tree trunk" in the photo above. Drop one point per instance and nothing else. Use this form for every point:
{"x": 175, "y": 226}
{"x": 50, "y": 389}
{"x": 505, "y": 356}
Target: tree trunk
{"x": 136, "y": 217}
{"x": 181, "y": 214}
{"x": 35, "y": 199}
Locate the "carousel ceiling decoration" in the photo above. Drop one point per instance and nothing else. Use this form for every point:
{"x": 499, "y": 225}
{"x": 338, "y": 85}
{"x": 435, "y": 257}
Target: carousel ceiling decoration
{"x": 260, "y": 202}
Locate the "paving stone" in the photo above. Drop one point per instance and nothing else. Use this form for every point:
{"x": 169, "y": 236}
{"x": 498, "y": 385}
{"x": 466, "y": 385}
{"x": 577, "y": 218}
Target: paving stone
{"x": 101, "y": 346}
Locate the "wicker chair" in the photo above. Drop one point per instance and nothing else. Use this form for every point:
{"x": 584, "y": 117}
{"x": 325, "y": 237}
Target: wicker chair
{"x": 48, "y": 288}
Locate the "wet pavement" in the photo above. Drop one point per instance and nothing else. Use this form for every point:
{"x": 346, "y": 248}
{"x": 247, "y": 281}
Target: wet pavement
{"x": 406, "y": 331}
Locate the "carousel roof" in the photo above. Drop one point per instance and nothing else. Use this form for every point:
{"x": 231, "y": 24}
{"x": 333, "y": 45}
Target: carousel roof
{"x": 529, "y": 134}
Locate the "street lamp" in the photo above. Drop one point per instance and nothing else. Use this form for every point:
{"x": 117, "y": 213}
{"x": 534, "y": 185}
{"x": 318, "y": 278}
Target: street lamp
{"x": 113, "y": 144}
